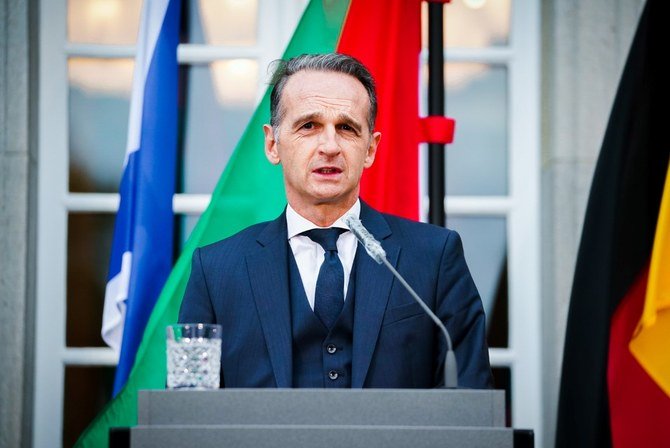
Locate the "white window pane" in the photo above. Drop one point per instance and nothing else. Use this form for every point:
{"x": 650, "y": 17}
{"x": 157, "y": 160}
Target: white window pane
{"x": 89, "y": 246}
{"x": 221, "y": 99}
{"x": 485, "y": 245}
{"x": 99, "y": 103}
{"x": 477, "y": 160}
{"x": 113, "y": 22}
{"x": 223, "y": 22}
{"x": 472, "y": 23}
{"x": 87, "y": 391}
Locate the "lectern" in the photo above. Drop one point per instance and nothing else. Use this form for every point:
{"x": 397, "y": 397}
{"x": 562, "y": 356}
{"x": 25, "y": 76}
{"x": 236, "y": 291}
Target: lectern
{"x": 329, "y": 418}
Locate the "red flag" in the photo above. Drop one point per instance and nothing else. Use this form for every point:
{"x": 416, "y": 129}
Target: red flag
{"x": 385, "y": 35}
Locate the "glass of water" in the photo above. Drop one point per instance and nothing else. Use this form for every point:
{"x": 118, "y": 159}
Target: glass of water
{"x": 193, "y": 356}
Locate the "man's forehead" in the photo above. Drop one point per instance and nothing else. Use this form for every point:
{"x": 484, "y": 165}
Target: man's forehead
{"x": 307, "y": 82}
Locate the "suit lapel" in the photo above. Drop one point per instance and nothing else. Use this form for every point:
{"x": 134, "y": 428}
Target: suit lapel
{"x": 268, "y": 273}
{"x": 373, "y": 287}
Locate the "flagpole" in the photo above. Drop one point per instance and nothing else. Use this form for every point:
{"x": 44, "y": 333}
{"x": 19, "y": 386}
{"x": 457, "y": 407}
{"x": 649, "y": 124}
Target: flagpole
{"x": 436, "y": 167}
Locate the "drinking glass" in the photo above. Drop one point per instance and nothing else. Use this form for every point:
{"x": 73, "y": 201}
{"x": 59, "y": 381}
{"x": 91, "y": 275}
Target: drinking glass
{"x": 193, "y": 356}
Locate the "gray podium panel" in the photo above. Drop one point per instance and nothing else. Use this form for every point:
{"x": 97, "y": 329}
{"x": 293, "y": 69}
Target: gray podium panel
{"x": 320, "y": 417}
{"x": 268, "y": 436}
{"x": 431, "y": 407}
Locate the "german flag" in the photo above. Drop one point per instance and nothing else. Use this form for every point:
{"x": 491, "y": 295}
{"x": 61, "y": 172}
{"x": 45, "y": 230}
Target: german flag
{"x": 615, "y": 386}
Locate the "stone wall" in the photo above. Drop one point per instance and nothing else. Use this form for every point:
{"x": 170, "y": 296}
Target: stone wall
{"x": 17, "y": 223}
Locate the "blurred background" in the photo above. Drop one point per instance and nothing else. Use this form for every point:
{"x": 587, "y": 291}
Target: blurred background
{"x": 530, "y": 84}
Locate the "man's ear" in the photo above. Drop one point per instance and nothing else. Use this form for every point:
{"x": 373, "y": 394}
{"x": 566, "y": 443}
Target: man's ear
{"x": 271, "y": 145}
{"x": 372, "y": 149}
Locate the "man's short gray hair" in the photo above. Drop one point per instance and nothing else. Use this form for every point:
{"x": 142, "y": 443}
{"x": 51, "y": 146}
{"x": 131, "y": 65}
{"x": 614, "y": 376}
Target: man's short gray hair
{"x": 329, "y": 62}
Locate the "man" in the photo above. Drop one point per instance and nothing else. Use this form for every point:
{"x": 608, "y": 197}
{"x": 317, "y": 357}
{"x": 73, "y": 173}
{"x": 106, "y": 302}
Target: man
{"x": 302, "y": 307}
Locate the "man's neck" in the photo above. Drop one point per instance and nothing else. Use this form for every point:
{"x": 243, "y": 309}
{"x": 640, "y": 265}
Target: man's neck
{"x": 323, "y": 215}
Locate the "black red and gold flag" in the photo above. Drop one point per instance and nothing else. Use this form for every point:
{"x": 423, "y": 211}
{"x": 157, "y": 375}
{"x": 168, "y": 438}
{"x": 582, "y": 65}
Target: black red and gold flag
{"x": 615, "y": 386}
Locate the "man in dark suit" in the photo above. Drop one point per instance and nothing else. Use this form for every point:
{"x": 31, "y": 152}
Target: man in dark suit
{"x": 300, "y": 302}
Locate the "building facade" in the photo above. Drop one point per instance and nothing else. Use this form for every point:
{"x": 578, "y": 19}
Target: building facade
{"x": 546, "y": 75}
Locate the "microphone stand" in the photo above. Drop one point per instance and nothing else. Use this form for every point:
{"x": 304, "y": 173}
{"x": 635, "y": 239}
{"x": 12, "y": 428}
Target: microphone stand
{"x": 377, "y": 253}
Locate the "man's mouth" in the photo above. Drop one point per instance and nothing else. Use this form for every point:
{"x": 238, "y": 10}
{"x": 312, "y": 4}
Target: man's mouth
{"x": 328, "y": 170}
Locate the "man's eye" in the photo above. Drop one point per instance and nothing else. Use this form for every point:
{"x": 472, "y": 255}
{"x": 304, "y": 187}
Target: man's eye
{"x": 309, "y": 125}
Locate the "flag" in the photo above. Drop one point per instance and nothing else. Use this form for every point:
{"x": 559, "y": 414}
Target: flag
{"x": 614, "y": 389}
{"x": 142, "y": 251}
{"x": 389, "y": 45}
{"x": 251, "y": 190}
{"x": 649, "y": 343}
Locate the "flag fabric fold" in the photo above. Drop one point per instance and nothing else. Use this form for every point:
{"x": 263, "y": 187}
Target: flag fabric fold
{"x": 608, "y": 396}
{"x": 650, "y": 340}
{"x": 251, "y": 190}
{"x": 142, "y": 251}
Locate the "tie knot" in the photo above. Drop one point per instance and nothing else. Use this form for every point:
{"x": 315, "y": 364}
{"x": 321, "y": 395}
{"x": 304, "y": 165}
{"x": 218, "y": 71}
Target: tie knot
{"x": 326, "y": 238}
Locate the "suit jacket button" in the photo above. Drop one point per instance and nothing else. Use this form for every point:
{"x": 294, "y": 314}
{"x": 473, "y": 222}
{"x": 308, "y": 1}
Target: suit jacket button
{"x": 333, "y": 375}
{"x": 331, "y": 349}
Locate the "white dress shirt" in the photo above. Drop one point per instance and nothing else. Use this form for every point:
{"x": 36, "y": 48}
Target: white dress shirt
{"x": 310, "y": 255}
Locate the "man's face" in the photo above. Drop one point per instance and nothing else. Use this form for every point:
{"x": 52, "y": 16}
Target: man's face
{"x": 323, "y": 140}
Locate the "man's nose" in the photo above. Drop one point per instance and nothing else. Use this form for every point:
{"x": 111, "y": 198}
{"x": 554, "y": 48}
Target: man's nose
{"x": 328, "y": 143}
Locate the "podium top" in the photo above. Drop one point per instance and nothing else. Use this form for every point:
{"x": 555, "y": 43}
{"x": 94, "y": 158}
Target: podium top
{"x": 384, "y": 407}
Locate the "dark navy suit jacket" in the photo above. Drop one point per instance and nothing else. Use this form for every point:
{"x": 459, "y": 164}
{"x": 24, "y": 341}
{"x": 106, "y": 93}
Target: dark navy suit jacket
{"x": 242, "y": 283}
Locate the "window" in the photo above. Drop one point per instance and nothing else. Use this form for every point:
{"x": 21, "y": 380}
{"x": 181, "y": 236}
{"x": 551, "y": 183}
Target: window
{"x": 492, "y": 180}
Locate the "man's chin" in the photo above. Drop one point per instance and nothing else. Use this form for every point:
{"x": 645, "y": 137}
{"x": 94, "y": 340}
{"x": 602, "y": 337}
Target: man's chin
{"x": 323, "y": 196}
{"x": 342, "y": 200}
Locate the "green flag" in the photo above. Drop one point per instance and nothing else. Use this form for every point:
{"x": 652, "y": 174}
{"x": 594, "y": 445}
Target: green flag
{"x": 249, "y": 191}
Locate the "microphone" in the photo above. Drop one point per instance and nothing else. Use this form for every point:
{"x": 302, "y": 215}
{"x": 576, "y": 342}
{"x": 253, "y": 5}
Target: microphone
{"x": 377, "y": 252}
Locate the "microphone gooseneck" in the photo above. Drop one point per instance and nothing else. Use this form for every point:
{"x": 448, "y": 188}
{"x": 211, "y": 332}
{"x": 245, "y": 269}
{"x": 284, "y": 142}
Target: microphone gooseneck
{"x": 377, "y": 252}
{"x": 372, "y": 246}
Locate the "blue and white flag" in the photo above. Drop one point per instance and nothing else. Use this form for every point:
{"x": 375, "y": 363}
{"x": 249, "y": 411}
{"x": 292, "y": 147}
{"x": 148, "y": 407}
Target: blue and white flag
{"x": 142, "y": 251}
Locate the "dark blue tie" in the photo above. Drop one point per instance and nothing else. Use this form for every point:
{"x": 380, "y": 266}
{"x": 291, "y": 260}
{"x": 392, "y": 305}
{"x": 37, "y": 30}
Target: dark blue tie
{"x": 329, "y": 295}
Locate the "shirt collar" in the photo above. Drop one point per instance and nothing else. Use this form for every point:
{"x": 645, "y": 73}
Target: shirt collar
{"x": 296, "y": 224}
